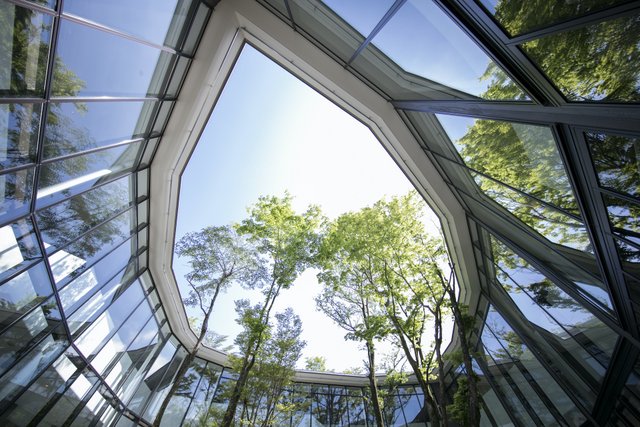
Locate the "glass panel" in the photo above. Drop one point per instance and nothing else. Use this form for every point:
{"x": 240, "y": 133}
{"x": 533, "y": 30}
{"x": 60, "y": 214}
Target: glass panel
{"x": 617, "y": 161}
{"x": 28, "y": 405}
{"x": 67, "y": 220}
{"x": 15, "y": 193}
{"x": 74, "y": 127}
{"x": 520, "y": 155}
{"x": 599, "y": 62}
{"x": 93, "y": 338}
{"x": 203, "y": 394}
{"x": 519, "y": 17}
{"x": 363, "y": 15}
{"x": 19, "y": 125}
{"x": 21, "y": 335}
{"x": 624, "y": 217}
{"x": 153, "y": 377}
{"x": 422, "y": 40}
{"x": 71, "y": 398}
{"x": 18, "y": 247}
{"x": 70, "y": 262}
{"x": 119, "y": 342}
{"x": 325, "y": 27}
{"x": 83, "y": 287}
{"x": 32, "y": 365}
{"x": 148, "y": 152}
{"x": 126, "y": 71}
{"x": 69, "y": 176}
{"x": 24, "y": 50}
{"x": 22, "y": 293}
{"x": 554, "y": 225}
{"x": 504, "y": 346}
{"x": 147, "y": 19}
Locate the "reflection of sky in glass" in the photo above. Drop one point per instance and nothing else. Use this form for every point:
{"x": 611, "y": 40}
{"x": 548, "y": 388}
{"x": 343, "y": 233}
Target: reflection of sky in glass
{"x": 422, "y": 40}
{"x": 363, "y": 15}
{"x": 126, "y": 71}
{"x": 148, "y": 19}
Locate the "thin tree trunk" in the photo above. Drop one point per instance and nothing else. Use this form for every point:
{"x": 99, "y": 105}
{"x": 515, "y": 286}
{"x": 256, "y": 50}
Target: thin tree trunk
{"x": 250, "y": 358}
{"x": 375, "y": 398}
{"x": 440, "y": 362}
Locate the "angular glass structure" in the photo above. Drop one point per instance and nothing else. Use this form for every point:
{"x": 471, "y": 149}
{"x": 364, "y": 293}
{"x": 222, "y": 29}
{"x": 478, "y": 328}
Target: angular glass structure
{"x": 519, "y": 126}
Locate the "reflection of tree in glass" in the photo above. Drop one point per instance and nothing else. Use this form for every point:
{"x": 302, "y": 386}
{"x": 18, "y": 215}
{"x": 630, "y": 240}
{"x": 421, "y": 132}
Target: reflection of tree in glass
{"x": 617, "y": 161}
{"x": 596, "y": 62}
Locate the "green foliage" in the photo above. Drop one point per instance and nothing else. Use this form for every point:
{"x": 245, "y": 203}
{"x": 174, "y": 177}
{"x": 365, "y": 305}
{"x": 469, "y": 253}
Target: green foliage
{"x": 459, "y": 409}
{"x": 316, "y": 364}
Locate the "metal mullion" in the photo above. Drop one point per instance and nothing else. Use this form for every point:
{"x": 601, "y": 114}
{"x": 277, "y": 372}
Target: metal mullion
{"x": 288, "y": 7}
{"x": 83, "y": 99}
{"x": 18, "y": 100}
{"x": 573, "y": 23}
{"x": 539, "y": 356}
{"x": 383, "y": 21}
{"x": 514, "y": 189}
{"x": 106, "y": 29}
{"x": 603, "y": 116}
{"x": 541, "y": 394}
{"x": 472, "y": 19}
{"x": 618, "y": 195}
{"x": 577, "y": 159}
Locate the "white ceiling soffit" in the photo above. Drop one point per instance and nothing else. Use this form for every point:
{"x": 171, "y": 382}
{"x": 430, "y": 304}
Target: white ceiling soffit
{"x": 232, "y": 24}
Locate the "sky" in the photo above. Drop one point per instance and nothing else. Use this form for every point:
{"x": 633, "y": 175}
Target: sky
{"x": 270, "y": 133}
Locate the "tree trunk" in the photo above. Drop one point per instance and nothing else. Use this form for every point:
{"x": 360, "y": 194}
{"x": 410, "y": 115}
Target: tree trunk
{"x": 437, "y": 347}
{"x": 474, "y": 406}
{"x": 375, "y": 398}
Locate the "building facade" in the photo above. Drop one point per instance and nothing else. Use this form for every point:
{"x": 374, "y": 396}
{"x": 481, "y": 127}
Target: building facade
{"x": 518, "y": 122}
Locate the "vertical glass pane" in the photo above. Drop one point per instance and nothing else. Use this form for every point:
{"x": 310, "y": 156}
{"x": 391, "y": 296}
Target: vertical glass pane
{"x": 24, "y": 50}
{"x": 126, "y": 71}
{"x": 71, "y": 399}
{"x": 18, "y": 247}
{"x": 598, "y": 62}
{"x": 617, "y": 161}
{"x": 75, "y": 127}
{"x": 148, "y": 19}
{"x": 32, "y": 365}
{"x": 23, "y": 292}
{"x": 624, "y": 217}
{"x": 15, "y": 193}
{"x": 28, "y": 405}
{"x": 422, "y": 40}
{"x": 19, "y": 124}
{"x": 94, "y": 337}
{"x": 505, "y": 346}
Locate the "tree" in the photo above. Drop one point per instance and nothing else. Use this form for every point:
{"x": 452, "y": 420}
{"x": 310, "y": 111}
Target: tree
{"x": 286, "y": 243}
{"x": 274, "y": 368}
{"x": 316, "y": 363}
{"x": 217, "y": 257}
{"x": 347, "y": 263}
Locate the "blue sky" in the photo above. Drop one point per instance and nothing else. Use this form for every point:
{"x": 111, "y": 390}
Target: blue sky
{"x": 268, "y": 133}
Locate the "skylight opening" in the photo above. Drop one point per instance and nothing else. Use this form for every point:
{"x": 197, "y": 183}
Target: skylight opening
{"x": 268, "y": 134}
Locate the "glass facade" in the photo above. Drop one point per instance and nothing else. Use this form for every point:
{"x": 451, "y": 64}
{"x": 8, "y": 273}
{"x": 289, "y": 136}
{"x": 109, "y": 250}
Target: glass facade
{"x": 529, "y": 115}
